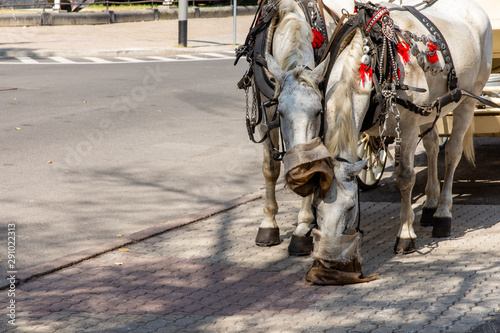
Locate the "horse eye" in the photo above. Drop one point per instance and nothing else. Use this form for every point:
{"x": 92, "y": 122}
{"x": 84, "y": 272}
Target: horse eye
{"x": 350, "y": 178}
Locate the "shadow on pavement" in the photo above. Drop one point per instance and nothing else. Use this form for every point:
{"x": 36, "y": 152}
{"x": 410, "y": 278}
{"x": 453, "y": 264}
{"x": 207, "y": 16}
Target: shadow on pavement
{"x": 478, "y": 185}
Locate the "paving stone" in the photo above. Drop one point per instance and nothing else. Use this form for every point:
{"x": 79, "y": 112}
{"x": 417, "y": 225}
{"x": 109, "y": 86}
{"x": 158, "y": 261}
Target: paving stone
{"x": 195, "y": 280}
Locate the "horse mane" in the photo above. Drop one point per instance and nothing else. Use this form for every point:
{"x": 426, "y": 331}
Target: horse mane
{"x": 299, "y": 33}
{"x": 341, "y": 137}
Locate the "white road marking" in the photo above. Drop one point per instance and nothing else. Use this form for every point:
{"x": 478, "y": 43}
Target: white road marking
{"x": 115, "y": 60}
{"x": 218, "y": 55}
{"x": 127, "y": 59}
{"x": 98, "y": 60}
{"x": 190, "y": 57}
{"x": 161, "y": 58}
{"x": 62, "y": 60}
{"x": 27, "y": 60}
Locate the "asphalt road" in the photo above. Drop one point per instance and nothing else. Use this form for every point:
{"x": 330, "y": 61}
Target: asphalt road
{"x": 89, "y": 152}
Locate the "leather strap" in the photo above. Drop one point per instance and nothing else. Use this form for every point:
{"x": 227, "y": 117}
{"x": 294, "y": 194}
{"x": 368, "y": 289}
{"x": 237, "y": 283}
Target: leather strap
{"x": 322, "y": 6}
{"x": 329, "y": 11}
{"x": 445, "y": 51}
{"x": 335, "y": 32}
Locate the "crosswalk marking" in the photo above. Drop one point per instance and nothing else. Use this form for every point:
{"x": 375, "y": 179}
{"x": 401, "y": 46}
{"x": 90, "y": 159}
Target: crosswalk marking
{"x": 189, "y": 56}
{"x": 98, "y": 60}
{"x": 130, "y": 59}
{"x": 161, "y": 58}
{"x": 27, "y": 60}
{"x": 62, "y": 60}
{"x": 216, "y": 55}
{"x": 56, "y": 60}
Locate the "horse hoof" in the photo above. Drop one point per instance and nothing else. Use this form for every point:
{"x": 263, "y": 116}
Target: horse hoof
{"x": 268, "y": 237}
{"x": 404, "y": 245}
{"x": 426, "y": 220}
{"x": 442, "y": 227}
{"x": 300, "y": 245}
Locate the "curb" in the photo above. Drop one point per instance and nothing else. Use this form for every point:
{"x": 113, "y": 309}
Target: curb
{"x": 75, "y": 258}
{"x": 55, "y": 18}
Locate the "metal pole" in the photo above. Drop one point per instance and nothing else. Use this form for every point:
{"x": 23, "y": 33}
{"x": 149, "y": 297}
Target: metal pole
{"x": 235, "y": 2}
{"x": 183, "y": 15}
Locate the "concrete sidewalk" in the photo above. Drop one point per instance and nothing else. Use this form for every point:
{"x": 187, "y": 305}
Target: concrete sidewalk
{"x": 209, "y": 276}
{"x": 154, "y": 38}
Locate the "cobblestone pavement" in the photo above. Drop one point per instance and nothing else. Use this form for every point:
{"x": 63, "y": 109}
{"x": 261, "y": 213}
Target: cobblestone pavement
{"x": 210, "y": 277}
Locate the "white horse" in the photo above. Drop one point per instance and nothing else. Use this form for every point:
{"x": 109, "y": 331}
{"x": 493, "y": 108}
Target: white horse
{"x": 466, "y": 28}
{"x": 292, "y": 49}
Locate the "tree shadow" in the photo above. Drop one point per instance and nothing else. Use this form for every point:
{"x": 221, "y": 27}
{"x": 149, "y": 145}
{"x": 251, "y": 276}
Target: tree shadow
{"x": 210, "y": 276}
{"x": 472, "y": 185}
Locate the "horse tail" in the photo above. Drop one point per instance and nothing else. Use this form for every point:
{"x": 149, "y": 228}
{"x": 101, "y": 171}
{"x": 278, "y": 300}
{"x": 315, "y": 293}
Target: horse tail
{"x": 469, "y": 144}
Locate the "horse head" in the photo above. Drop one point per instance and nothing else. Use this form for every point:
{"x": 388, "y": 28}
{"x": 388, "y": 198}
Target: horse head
{"x": 308, "y": 164}
{"x": 327, "y": 168}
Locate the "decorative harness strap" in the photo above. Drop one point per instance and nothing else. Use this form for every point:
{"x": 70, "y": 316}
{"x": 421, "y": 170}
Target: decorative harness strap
{"x": 443, "y": 46}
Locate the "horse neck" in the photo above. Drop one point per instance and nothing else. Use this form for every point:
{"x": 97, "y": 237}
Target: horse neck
{"x": 347, "y": 101}
{"x": 340, "y": 136}
{"x": 292, "y": 41}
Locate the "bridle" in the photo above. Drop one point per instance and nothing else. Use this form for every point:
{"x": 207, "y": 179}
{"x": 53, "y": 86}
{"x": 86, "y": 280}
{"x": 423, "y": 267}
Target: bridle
{"x": 257, "y": 78}
{"x": 268, "y": 126}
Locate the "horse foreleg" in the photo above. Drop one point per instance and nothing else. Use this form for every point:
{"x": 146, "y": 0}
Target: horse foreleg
{"x": 268, "y": 234}
{"x": 462, "y": 118}
{"x": 405, "y": 178}
{"x": 431, "y": 144}
{"x": 301, "y": 243}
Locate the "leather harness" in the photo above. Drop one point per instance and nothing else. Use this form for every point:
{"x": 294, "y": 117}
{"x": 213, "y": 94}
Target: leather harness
{"x": 369, "y": 19}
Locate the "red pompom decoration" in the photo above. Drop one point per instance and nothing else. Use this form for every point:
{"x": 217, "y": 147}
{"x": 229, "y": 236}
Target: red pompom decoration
{"x": 318, "y": 39}
{"x": 365, "y": 71}
{"x": 432, "y": 55}
{"x": 403, "y": 49}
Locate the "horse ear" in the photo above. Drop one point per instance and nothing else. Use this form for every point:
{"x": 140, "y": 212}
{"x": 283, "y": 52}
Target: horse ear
{"x": 357, "y": 167}
{"x": 274, "y": 69}
{"x": 319, "y": 72}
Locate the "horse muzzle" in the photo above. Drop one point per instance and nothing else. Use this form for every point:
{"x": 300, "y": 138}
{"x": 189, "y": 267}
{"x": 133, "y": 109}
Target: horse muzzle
{"x": 308, "y": 167}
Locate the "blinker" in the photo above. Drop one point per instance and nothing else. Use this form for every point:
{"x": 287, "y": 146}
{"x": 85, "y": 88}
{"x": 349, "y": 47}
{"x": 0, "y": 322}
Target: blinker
{"x": 268, "y": 126}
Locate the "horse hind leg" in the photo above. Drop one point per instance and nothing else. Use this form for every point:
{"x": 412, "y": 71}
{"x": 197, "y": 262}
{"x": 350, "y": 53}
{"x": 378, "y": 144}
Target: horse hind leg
{"x": 462, "y": 129}
{"x": 268, "y": 234}
{"x": 301, "y": 243}
{"x": 431, "y": 145}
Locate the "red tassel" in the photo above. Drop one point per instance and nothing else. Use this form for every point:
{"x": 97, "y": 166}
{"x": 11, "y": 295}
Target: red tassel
{"x": 432, "y": 55}
{"x": 403, "y": 49}
{"x": 318, "y": 39}
{"x": 364, "y": 71}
